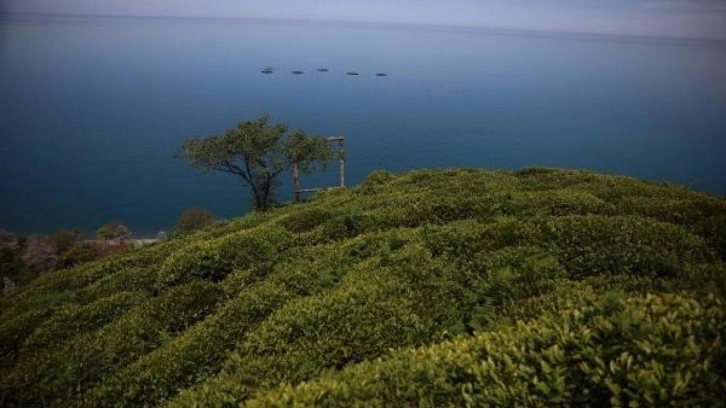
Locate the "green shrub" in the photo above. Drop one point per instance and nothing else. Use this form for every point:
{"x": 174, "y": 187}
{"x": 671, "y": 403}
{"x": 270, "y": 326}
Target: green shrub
{"x": 563, "y": 294}
{"x": 536, "y": 172}
{"x": 72, "y": 319}
{"x": 83, "y": 252}
{"x": 42, "y": 302}
{"x": 60, "y": 287}
{"x": 12, "y": 266}
{"x": 602, "y": 186}
{"x": 686, "y": 210}
{"x": 81, "y": 276}
{"x": 127, "y": 280}
{"x": 200, "y": 352}
{"x": 374, "y": 180}
{"x": 190, "y": 358}
{"x": 307, "y": 336}
{"x": 704, "y": 279}
{"x": 193, "y": 219}
{"x": 200, "y": 260}
{"x": 225, "y": 227}
{"x": 399, "y": 297}
{"x": 346, "y": 226}
{"x": 593, "y": 245}
{"x": 713, "y": 230}
{"x": 215, "y": 259}
{"x": 482, "y": 267}
{"x": 545, "y": 203}
{"x": 14, "y": 331}
{"x": 306, "y": 219}
{"x": 512, "y": 275}
{"x": 652, "y": 351}
{"x": 54, "y": 375}
{"x": 464, "y": 240}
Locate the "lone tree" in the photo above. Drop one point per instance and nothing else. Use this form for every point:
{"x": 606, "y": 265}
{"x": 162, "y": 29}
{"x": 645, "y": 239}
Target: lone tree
{"x": 258, "y": 152}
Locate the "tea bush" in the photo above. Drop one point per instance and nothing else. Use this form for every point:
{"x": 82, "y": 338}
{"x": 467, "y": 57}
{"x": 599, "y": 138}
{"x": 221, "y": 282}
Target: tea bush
{"x": 616, "y": 351}
{"x": 215, "y": 259}
{"x": 51, "y": 376}
{"x": 399, "y": 297}
{"x": 191, "y": 357}
{"x": 132, "y": 279}
{"x": 200, "y": 352}
{"x": 14, "y": 332}
{"x": 375, "y": 179}
{"x": 712, "y": 229}
{"x": 73, "y": 319}
{"x": 593, "y": 245}
{"x": 541, "y": 287}
{"x": 306, "y": 220}
{"x": 308, "y": 336}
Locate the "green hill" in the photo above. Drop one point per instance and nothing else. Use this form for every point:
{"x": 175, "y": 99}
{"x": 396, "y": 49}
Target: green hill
{"x": 539, "y": 287}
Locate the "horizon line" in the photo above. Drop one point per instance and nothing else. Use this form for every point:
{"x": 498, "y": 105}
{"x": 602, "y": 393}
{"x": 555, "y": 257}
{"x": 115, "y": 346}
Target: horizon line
{"x": 484, "y": 29}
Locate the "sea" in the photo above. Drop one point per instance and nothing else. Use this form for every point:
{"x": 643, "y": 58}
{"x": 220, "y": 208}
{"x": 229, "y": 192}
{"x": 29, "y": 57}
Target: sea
{"x": 92, "y": 109}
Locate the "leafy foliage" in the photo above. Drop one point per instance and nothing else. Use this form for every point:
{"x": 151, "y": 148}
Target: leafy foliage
{"x": 72, "y": 366}
{"x": 24, "y": 259}
{"x": 114, "y": 230}
{"x": 83, "y": 252}
{"x": 12, "y": 267}
{"x": 257, "y": 152}
{"x": 40, "y": 254}
{"x": 614, "y": 351}
{"x": 193, "y": 219}
{"x": 540, "y": 287}
{"x": 64, "y": 240}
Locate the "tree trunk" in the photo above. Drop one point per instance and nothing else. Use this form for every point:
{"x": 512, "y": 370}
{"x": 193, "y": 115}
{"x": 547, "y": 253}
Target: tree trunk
{"x": 261, "y": 193}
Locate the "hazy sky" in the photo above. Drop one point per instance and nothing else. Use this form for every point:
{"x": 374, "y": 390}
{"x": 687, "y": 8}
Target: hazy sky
{"x": 682, "y": 18}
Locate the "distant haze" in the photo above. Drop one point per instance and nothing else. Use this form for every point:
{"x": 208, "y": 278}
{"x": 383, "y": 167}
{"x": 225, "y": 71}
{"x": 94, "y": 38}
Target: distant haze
{"x": 670, "y": 18}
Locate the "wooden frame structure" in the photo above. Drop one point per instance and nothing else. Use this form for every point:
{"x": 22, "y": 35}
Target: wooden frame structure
{"x": 341, "y": 170}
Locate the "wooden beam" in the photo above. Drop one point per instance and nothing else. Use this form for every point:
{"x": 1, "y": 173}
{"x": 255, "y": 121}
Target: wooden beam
{"x": 341, "y": 171}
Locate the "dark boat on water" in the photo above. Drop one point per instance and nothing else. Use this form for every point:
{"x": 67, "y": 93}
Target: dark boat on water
{"x": 351, "y": 73}
{"x": 323, "y": 70}
{"x": 297, "y": 72}
{"x": 381, "y": 74}
{"x": 267, "y": 71}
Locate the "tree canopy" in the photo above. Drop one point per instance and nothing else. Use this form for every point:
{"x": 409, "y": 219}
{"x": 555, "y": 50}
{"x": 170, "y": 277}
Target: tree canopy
{"x": 257, "y": 151}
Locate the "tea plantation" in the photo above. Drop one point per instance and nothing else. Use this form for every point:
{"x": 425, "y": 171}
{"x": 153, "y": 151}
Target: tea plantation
{"x": 432, "y": 288}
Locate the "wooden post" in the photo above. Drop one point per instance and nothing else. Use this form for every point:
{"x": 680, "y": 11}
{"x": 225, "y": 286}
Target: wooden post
{"x": 296, "y": 181}
{"x": 341, "y": 158}
{"x": 341, "y": 170}
{"x": 341, "y": 162}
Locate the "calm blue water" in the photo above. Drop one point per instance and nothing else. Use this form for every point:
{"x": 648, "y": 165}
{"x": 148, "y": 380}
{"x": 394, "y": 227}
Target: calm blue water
{"x": 91, "y": 109}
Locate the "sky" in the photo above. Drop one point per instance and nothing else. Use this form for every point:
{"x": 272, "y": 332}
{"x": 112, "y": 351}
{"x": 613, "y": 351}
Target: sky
{"x": 671, "y": 18}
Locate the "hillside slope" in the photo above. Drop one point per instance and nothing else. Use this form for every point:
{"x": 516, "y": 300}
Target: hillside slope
{"x": 449, "y": 287}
